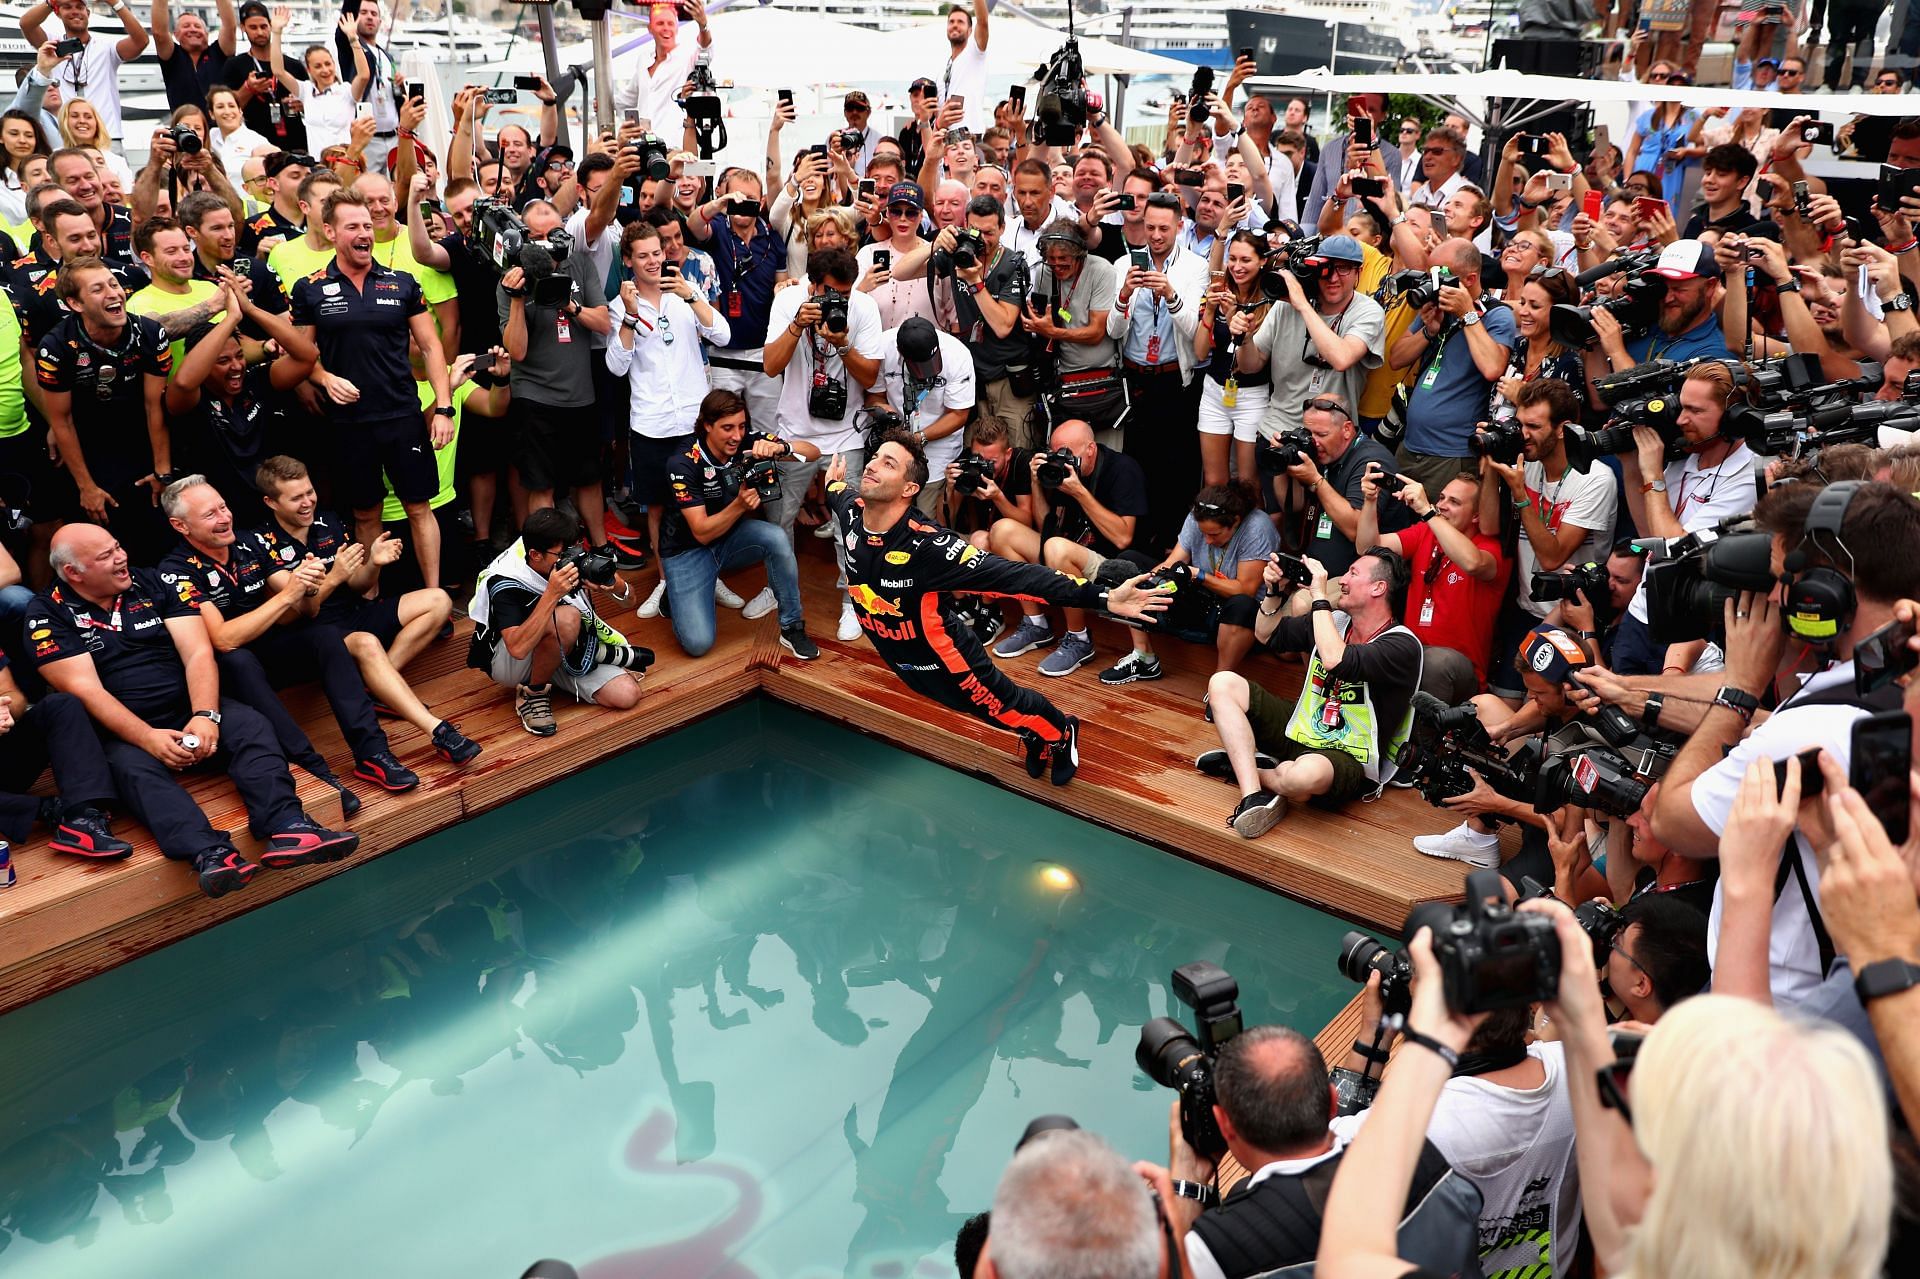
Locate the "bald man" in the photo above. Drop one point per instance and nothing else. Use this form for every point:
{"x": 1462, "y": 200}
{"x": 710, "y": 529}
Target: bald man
{"x": 137, "y": 655}
{"x": 1459, "y": 347}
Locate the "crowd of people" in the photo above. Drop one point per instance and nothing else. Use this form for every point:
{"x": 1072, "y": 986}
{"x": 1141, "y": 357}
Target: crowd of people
{"x": 1436, "y": 419}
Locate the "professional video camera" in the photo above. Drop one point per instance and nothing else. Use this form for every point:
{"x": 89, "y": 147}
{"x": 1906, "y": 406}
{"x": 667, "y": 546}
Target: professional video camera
{"x": 1175, "y": 1059}
{"x": 502, "y": 238}
{"x": 1500, "y": 441}
{"x": 704, "y": 109}
{"x": 1289, "y": 448}
{"x": 1589, "y": 581}
{"x": 1594, "y": 778}
{"x": 1645, "y": 395}
{"x": 1054, "y": 466}
{"x": 1299, "y": 256}
{"x": 969, "y": 246}
{"x": 1636, "y": 306}
{"x": 653, "y": 153}
{"x": 974, "y": 472}
{"x": 1690, "y": 579}
{"x": 1061, "y": 105}
{"x": 1610, "y": 774}
{"x": 1446, "y": 741}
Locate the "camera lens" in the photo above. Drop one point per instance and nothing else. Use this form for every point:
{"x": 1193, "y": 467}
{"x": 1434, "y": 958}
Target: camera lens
{"x": 1165, "y": 1046}
{"x": 1359, "y": 955}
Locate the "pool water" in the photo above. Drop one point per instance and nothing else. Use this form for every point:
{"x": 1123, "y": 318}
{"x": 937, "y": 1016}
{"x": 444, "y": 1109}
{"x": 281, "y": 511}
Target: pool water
{"x": 763, "y": 998}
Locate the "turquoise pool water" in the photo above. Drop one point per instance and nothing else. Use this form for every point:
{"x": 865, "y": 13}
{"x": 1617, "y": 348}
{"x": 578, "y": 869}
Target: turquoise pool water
{"x": 765, "y": 998}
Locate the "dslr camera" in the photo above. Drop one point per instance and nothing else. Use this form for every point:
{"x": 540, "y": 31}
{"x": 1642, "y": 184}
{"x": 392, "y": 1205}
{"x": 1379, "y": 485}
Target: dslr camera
{"x": 653, "y": 154}
{"x": 595, "y": 569}
{"x": 1055, "y": 466}
{"x": 1589, "y": 581}
{"x": 186, "y": 140}
{"x": 1289, "y": 448}
{"x": 761, "y": 474}
{"x": 975, "y": 471}
{"x": 1500, "y": 441}
{"x": 502, "y": 238}
{"x": 833, "y": 310}
{"x": 850, "y": 141}
{"x": 968, "y": 248}
{"x": 1416, "y": 288}
{"x": 1174, "y": 1058}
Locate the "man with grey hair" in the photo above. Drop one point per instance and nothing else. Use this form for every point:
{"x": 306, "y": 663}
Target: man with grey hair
{"x": 1068, "y": 1207}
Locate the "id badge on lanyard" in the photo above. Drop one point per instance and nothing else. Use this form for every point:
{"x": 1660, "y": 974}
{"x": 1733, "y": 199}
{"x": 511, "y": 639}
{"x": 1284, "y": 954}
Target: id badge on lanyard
{"x": 1426, "y": 611}
{"x": 562, "y": 331}
{"x": 735, "y": 304}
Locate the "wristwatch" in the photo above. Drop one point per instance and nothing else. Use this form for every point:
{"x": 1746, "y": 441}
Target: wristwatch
{"x": 1898, "y": 302}
{"x": 1322, "y": 606}
{"x": 1650, "y": 712}
{"x": 1886, "y": 977}
{"x": 1198, "y": 1191}
{"x": 1431, "y": 512}
{"x": 1786, "y": 286}
{"x": 1654, "y": 486}
{"x": 443, "y": 410}
{"x": 1737, "y": 700}
{"x": 1470, "y": 319}
{"x": 212, "y": 717}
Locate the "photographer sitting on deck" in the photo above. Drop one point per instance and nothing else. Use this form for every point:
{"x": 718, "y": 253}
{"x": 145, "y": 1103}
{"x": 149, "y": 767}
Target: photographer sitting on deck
{"x": 534, "y": 625}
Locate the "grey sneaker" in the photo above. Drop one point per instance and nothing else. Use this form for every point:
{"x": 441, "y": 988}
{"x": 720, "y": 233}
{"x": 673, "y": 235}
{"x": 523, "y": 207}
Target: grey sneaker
{"x": 1134, "y": 666}
{"x": 1030, "y": 634}
{"x": 1257, "y": 814}
{"x": 1068, "y": 656}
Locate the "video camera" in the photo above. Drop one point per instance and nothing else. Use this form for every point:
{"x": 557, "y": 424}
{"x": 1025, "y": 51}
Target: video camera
{"x": 1690, "y": 579}
{"x": 968, "y": 248}
{"x": 1636, "y": 306}
{"x": 704, "y": 108}
{"x": 502, "y": 238}
{"x": 1061, "y": 105}
{"x": 1299, "y": 257}
{"x": 1054, "y": 466}
{"x": 1174, "y": 1058}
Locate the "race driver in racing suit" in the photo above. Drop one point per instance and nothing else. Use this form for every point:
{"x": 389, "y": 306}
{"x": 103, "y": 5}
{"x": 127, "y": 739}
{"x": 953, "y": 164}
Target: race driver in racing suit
{"x": 900, "y": 570}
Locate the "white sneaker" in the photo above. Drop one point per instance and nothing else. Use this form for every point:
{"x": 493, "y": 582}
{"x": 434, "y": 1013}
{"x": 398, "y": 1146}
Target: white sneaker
{"x": 725, "y": 596}
{"x": 760, "y": 605}
{"x": 824, "y": 530}
{"x": 849, "y": 624}
{"x": 652, "y": 606}
{"x": 1462, "y": 844}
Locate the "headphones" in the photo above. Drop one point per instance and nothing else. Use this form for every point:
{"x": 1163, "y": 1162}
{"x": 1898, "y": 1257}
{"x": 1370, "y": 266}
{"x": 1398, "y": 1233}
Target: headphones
{"x": 1819, "y": 602}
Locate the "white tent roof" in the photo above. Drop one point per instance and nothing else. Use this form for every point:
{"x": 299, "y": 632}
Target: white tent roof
{"x": 763, "y": 49}
{"x": 1514, "y": 84}
{"x": 1015, "y": 48}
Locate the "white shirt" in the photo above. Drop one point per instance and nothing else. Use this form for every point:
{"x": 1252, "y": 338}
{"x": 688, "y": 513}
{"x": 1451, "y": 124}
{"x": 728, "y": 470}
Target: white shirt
{"x": 1586, "y": 499}
{"x": 966, "y": 75}
{"x": 1432, "y": 197}
{"x": 652, "y": 90}
{"x": 237, "y": 148}
{"x": 94, "y": 75}
{"x": 1200, "y": 1262}
{"x": 952, "y": 389}
{"x": 864, "y": 335}
{"x": 601, "y": 253}
{"x": 1702, "y": 499}
{"x": 328, "y": 113}
{"x": 668, "y": 379}
{"x": 1024, "y": 240}
{"x": 1793, "y": 953}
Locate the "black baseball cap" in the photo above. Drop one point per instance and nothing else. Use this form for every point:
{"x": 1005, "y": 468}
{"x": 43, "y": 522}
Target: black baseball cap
{"x": 920, "y": 347}
{"x": 924, "y": 87}
{"x": 254, "y": 9}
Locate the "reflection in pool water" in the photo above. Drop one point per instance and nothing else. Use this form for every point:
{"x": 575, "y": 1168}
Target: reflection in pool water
{"x": 766, "y": 998}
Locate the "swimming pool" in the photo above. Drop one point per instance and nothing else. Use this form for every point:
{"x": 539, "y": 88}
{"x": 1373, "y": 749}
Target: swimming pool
{"x": 763, "y": 998}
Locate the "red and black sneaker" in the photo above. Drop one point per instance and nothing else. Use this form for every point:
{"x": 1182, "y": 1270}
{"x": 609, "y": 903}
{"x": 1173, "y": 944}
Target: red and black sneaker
{"x": 386, "y": 772}
{"x": 306, "y": 843}
{"x": 454, "y": 746}
{"x": 222, "y": 870}
{"x": 89, "y": 833}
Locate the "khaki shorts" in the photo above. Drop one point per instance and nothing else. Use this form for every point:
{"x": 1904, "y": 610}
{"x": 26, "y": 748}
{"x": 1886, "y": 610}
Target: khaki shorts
{"x": 513, "y": 671}
{"x": 1269, "y": 715}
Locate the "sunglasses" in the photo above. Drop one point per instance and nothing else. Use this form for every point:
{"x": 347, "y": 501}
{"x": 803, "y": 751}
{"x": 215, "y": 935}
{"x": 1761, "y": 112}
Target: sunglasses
{"x": 1209, "y": 510}
{"x": 1888, "y": 82}
{"x": 1439, "y": 150}
{"x": 1791, "y": 71}
{"x": 1658, "y": 77}
{"x": 1547, "y": 273}
{"x": 1326, "y": 406}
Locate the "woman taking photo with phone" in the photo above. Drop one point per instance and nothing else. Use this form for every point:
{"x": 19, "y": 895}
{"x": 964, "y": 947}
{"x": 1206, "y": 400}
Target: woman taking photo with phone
{"x": 1231, "y": 402}
{"x": 1535, "y": 352}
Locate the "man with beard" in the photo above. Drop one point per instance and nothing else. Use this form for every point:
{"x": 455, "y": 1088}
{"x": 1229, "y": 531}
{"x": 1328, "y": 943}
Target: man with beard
{"x": 1689, "y": 324}
{"x": 965, "y": 76}
{"x": 93, "y": 73}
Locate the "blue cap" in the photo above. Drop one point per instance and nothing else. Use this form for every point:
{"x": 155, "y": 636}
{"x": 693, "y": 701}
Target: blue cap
{"x": 905, "y": 193}
{"x": 1341, "y": 248}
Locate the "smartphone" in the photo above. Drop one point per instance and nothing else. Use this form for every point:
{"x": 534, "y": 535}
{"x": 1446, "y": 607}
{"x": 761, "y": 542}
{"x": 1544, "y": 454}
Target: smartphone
{"x": 1559, "y": 181}
{"x": 1189, "y": 177}
{"x": 868, "y": 186}
{"x": 785, "y": 95}
{"x": 1812, "y": 780}
{"x": 1803, "y": 201}
{"x": 501, "y": 95}
{"x": 1896, "y": 183}
{"x": 70, "y": 47}
{"x": 883, "y": 259}
{"x": 819, "y": 149}
{"x": 1532, "y": 144}
{"x": 1819, "y": 132}
{"x": 530, "y": 83}
{"x": 361, "y": 110}
{"x": 1142, "y": 260}
{"x": 1236, "y": 192}
{"x": 1017, "y": 96}
{"x": 1602, "y": 142}
{"x": 1592, "y": 204}
{"x": 1243, "y": 54}
{"x": 1763, "y": 187}
{"x": 1882, "y": 760}
{"x": 1362, "y": 130}
{"x": 744, "y": 209}
{"x": 416, "y": 89}
{"x": 1374, "y": 187}
{"x": 699, "y": 169}
{"x": 1883, "y": 657}
{"x": 669, "y": 270}
{"x": 1647, "y": 207}
{"x": 434, "y": 206}
{"x": 959, "y": 100}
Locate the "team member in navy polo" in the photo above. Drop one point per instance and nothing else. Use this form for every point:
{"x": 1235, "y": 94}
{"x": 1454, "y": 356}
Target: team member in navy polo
{"x": 54, "y": 729}
{"x": 32, "y": 280}
{"x": 251, "y": 598}
{"x": 102, "y": 373}
{"x": 383, "y": 634}
{"x": 362, "y": 314}
{"x": 751, "y": 262}
{"x": 78, "y": 174}
{"x": 138, "y": 658}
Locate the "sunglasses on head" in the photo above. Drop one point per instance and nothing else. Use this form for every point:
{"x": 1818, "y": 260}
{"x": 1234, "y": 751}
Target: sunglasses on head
{"x": 1547, "y": 273}
{"x": 1209, "y": 510}
{"x": 1326, "y": 406}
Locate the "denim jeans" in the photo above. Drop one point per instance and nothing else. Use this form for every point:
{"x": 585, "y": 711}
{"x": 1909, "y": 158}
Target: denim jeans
{"x": 690, "y": 576}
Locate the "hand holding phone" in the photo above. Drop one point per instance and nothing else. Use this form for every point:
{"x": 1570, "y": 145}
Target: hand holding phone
{"x": 1592, "y": 204}
{"x": 1880, "y": 767}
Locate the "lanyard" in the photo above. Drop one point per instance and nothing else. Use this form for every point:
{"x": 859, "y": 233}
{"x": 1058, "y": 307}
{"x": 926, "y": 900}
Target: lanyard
{"x": 92, "y": 623}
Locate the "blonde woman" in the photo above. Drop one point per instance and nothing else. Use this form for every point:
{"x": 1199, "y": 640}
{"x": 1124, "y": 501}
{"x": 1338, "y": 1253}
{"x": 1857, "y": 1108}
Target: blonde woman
{"x": 81, "y": 126}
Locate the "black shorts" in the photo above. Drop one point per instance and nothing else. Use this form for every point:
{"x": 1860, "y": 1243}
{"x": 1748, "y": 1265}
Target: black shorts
{"x": 399, "y": 447}
{"x": 29, "y": 481}
{"x": 1269, "y": 715}
{"x": 556, "y": 448}
{"x": 650, "y": 457}
{"x": 379, "y": 618}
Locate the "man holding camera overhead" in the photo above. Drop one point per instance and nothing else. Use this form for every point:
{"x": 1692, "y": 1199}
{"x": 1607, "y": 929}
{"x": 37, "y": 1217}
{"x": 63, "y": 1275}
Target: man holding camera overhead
{"x": 654, "y": 87}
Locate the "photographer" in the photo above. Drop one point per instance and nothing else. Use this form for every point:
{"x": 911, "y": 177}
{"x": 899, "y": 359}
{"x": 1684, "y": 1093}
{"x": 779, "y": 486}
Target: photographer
{"x": 1223, "y": 546}
{"x": 713, "y": 525}
{"x": 1324, "y": 341}
{"x": 1068, "y": 1204}
{"x": 1658, "y": 958}
{"x": 1002, "y": 491}
{"x": 1626, "y": 569}
{"x": 534, "y": 627}
{"x": 1689, "y": 323}
{"x": 1089, "y": 509}
{"x": 926, "y": 377}
{"x": 1458, "y": 582}
{"x": 1461, "y": 344}
{"x": 752, "y": 263}
{"x": 1073, "y": 295}
{"x": 1564, "y": 516}
{"x": 1337, "y": 743}
{"x": 1333, "y": 477}
{"x": 825, "y": 347}
{"x": 1863, "y": 566}
{"x": 989, "y": 298}
{"x": 1713, "y": 482}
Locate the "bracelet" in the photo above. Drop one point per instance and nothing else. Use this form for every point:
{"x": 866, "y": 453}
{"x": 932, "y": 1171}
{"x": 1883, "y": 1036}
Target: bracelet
{"x": 1378, "y": 1056}
{"x": 1322, "y": 606}
{"x": 1268, "y": 612}
{"x": 1431, "y": 512}
{"x": 1431, "y": 1044}
{"x": 630, "y": 322}
{"x": 1737, "y": 700}
{"x": 1521, "y": 504}
{"x": 1582, "y": 248}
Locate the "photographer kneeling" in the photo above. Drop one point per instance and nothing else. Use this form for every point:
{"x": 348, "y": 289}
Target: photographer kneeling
{"x": 534, "y": 626}
{"x": 718, "y": 488}
{"x": 1337, "y": 743}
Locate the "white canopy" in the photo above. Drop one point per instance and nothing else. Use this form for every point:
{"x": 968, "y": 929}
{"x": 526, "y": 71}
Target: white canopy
{"x": 1016, "y": 47}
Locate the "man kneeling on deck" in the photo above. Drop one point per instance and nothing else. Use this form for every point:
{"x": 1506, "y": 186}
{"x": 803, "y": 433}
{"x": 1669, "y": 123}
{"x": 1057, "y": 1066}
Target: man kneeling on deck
{"x": 138, "y": 657}
{"x": 535, "y": 626}
{"x": 1337, "y": 742}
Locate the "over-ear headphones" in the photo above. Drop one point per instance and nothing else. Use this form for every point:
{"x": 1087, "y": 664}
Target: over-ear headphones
{"x": 1819, "y": 602}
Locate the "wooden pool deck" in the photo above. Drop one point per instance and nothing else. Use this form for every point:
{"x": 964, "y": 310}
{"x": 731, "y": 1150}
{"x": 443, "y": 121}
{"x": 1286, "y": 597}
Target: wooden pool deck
{"x": 67, "y": 920}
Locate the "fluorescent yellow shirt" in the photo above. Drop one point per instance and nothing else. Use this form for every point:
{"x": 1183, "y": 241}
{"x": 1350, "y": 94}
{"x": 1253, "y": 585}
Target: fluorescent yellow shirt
{"x": 443, "y": 459}
{"x": 13, "y": 397}
{"x": 153, "y": 302}
{"x": 292, "y": 261}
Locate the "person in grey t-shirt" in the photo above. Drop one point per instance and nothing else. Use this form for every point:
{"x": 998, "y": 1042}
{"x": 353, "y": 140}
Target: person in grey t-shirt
{"x": 1309, "y": 347}
{"x": 1072, "y": 293}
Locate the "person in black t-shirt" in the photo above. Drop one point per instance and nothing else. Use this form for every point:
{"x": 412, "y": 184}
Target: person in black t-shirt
{"x": 1007, "y": 494}
{"x": 224, "y": 412}
{"x": 136, "y": 655}
{"x": 191, "y": 63}
{"x": 271, "y": 111}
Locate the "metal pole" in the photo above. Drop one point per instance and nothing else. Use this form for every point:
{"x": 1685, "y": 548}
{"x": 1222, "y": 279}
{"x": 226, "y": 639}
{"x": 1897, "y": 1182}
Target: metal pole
{"x": 562, "y": 85}
{"x": 602, "y": 75}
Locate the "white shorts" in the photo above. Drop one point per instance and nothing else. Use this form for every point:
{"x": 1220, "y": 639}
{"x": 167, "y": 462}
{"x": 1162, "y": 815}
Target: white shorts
{"x": 1242, "y": 421}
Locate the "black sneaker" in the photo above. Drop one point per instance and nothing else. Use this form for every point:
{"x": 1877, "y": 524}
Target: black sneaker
{"x": 1066, "y": 754}
{"x": 307, "y": 843}
{"x": 794, "y": 640}
{"x": 89, "y": 833}
{"x": 1214, "y": 763}
{"x": 626, "y": 559}
{"x": 349, "y": 802}
{"x": 1036, "y": 755}
{"x": 222, "y": 870}
{"x": 1134, "y": 666}
{"x": 454, "y": 746}
{"x": 386, "y": 772}
{"x": 1257, "y": 813}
